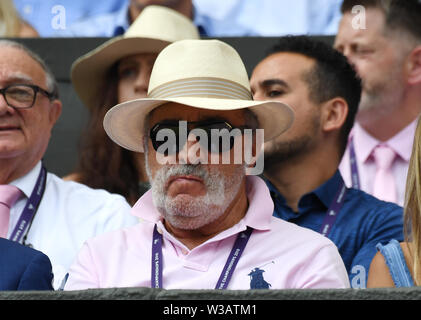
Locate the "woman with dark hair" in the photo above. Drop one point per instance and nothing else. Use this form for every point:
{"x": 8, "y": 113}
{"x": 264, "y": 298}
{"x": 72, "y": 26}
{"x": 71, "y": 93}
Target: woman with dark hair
{"x": 102, "y": 163}
{"x": 113, "y": 73}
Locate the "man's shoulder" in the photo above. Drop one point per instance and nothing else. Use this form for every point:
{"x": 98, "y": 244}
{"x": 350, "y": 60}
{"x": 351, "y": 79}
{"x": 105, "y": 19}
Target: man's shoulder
{"x": 292, "y": 232}
{"x": 124, "y": 238}
{"x": 17, "y": 254}
{"x": 80, "y": 193}
{"x": 76, "y": 187}
{"x": 7, "y": 246}
{"x": 23, "y": 268}
{"x": 367, "y": 202}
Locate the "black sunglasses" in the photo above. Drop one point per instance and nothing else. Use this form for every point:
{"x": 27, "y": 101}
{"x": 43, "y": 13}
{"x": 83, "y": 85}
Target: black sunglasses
{"x": 215, "y": 139}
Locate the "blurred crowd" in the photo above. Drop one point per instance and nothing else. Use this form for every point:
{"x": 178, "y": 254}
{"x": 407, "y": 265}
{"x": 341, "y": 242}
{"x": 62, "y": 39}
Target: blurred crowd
{"x": 228, "y": 18}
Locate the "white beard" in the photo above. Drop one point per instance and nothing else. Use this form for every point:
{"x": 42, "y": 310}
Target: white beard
{"x": 188, "y": 212}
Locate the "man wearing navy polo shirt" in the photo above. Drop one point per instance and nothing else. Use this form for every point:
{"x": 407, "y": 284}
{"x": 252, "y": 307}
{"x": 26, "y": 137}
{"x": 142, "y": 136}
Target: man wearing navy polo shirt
{"x": 301, "y": 166}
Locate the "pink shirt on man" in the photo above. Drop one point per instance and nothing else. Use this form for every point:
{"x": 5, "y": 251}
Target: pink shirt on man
{"x": 364, "y": 145}
{"x": 290, "y": 256}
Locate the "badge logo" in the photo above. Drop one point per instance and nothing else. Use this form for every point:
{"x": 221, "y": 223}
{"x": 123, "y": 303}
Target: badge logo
{"x": 256, "y": 278}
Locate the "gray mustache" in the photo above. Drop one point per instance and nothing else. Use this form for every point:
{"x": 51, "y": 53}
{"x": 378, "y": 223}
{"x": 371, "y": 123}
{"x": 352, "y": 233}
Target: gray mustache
{"x": 185, "y": 169}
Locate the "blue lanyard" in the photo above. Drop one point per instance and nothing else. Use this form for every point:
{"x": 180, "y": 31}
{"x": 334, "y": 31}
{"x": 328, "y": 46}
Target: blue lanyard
{"x": 333, "y": 210}
{"x": 31, "y": 207}
{"x": 354, "y": 168}
{"x": 227, "y": 272}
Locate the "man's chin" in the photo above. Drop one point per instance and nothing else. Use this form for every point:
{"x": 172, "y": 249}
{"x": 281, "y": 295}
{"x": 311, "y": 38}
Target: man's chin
{"x": 188, "y": 213}
{"x": 183, "y": 205}
{"x": 182, "y": 221}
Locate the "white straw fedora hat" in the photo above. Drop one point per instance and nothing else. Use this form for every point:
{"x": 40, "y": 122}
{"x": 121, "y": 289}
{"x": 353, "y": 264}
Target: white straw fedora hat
{"x": 154, "y": 29}
{"x": 207, "y": 74}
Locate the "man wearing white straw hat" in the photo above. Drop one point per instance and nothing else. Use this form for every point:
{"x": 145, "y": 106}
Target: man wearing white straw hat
{"x": 205, "y": 224}
{"x": 115, "y": 72}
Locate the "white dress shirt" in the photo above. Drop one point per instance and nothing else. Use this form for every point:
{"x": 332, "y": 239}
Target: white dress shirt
{"x": 69, "y": 214}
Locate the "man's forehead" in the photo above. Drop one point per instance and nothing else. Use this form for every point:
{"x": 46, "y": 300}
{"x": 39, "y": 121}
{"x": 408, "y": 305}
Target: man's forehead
{"x": 14, "y": 76}
{"x": 17, "y": 65}
{"x": 280, "y": 66}
{"x": 373, "y": 24}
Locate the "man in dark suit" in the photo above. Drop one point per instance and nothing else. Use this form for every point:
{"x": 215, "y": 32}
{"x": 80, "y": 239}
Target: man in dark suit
{"x": 23, "y": 268}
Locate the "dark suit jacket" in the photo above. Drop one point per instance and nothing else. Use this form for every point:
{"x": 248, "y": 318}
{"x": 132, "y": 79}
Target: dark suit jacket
{"x": 23, "y": 268}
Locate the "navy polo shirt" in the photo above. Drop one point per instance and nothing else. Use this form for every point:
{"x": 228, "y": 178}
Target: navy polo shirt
{"x": 363, "y": 222}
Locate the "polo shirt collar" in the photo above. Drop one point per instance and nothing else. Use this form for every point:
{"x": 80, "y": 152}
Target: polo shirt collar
{"x": 328, "y": 190}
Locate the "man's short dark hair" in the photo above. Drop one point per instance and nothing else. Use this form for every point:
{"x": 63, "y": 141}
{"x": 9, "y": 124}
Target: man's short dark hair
{"x": 331, "y": 77}
{"x": 400, "y": 15}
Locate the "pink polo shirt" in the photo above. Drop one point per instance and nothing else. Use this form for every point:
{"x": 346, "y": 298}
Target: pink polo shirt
{"x": 364, "y": 145}
{"x": 288, "y": 256}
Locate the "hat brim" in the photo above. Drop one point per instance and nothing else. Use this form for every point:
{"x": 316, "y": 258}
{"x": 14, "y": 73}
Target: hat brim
{"x": 89, "y": 71}
{"x": 124, "y": 123}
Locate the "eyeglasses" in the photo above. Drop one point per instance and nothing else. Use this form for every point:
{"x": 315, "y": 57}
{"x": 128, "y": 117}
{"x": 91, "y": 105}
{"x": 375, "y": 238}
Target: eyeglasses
{"x": 215, "y": 139}
{"x": 23, "y": 96}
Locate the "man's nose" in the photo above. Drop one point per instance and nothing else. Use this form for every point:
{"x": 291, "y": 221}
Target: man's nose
{"x": 192, "y": 152}
{"x": 353, "y": 62}
{"x": 257, "y": 96}
{"x": 4, "y": 107}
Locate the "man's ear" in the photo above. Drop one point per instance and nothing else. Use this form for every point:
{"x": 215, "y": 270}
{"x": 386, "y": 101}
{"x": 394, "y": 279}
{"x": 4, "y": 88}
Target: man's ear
{"x": 414, "y": 66}
{"x": 55, "y": 111}
{"x": 334, "y": 113}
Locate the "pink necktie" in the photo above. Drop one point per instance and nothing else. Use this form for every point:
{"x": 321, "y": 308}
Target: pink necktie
{"x": 8, "y": 196}
{"x": 384, "y": 181}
